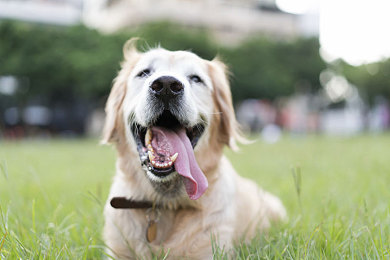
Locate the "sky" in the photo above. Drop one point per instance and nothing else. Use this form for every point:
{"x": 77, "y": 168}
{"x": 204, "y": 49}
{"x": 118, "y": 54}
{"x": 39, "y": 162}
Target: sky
{"x": 357, "y": 31}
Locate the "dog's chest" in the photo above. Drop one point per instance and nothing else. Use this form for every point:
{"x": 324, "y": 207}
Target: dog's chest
{"x": 167, "y": 226}
{"x": 158, "y": 230}
{"x": 149, "y": 228}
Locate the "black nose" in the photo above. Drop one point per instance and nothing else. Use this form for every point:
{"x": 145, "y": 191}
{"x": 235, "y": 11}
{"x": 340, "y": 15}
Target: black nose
{"x": 167, "y": 87}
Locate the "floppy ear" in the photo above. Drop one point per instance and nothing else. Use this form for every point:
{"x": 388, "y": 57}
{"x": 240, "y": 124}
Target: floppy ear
{"x": 118, "y": 92}
{"x": 228, "y": 132}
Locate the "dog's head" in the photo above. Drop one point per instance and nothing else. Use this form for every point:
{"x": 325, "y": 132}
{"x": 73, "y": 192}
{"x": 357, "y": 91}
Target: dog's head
{"x": 175, "y": 111}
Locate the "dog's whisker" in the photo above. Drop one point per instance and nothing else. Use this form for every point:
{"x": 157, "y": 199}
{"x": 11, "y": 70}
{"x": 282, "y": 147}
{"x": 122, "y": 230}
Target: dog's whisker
{"x": 215, "y": 113}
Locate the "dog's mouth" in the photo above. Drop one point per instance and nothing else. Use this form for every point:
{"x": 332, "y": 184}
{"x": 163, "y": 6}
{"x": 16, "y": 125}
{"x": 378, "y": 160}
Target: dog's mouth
{"x": 167, "y": 146}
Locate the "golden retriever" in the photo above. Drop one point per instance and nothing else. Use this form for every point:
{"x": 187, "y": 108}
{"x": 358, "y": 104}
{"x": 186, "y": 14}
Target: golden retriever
{"x": 170, "y": 114}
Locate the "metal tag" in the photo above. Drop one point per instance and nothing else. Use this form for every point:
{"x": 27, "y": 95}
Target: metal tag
{"x": 151, "y": 231}
{"x": 152, "y": 216}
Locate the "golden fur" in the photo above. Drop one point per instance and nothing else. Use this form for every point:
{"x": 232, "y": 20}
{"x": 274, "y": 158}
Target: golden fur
{"x": 231, "y": 209}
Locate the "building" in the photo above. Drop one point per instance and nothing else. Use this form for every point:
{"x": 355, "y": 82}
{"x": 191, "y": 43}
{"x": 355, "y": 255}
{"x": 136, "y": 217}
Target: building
{"x": 229, "y": 20}
{"x": 57, "y": 12}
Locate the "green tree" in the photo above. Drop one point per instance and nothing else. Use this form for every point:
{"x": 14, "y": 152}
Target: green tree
{"x": 65, "y": 62}
{"x": 371, "y": 79}
{"x": 60, "y": 61}
{"x": 264, "y": 68}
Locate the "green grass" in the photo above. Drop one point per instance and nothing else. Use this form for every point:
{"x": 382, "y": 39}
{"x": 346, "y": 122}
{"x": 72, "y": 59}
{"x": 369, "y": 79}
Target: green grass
{"x": 52, "y": 195}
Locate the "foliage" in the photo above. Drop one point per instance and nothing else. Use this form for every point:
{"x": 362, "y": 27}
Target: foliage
{"x": 175, "y": 37}
{"x": 372, "y": 79}
{"x": 51, "y": 207}
{"x": 264, "y": 68}
{"x": 61, "y": 62}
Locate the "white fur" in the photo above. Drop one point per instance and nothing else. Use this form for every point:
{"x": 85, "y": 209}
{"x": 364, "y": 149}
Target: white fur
{"x": 232, "y": 208}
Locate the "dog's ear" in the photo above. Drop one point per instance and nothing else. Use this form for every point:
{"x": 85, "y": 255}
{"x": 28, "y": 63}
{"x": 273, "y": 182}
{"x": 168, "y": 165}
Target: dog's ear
{"x": 228, "y": 130}
{"x": 118, "y": 92}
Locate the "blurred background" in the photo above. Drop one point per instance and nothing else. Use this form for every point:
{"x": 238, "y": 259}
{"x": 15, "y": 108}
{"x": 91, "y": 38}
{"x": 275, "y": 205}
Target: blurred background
{"x": 298, "y": 66}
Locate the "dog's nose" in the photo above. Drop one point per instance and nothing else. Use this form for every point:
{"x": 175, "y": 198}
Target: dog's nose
{"x": 166, "y": 87}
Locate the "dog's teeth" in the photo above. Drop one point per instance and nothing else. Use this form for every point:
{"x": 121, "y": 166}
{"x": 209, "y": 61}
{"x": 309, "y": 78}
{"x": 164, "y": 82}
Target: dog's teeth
{"x": 148, "y": 137}
{"x": 158, "y": 164}
{"x": 174, "y": 157}
{"x": 151, "y": 156}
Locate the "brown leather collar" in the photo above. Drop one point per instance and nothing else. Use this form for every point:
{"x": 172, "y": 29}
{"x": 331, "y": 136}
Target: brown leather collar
{"x": 124, "y": 203}
{"x": 152, "y": 214}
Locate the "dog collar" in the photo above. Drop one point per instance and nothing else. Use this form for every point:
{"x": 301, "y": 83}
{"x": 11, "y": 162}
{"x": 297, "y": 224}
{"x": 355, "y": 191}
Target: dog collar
{"x": 152, "y": 213}
{"x": 124, "y": 203}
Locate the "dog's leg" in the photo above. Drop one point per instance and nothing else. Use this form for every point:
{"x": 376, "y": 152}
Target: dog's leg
{"x": 273, "y": 207}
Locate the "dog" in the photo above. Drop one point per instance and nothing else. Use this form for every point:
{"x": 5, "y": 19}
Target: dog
{"x": 170, "y": 115}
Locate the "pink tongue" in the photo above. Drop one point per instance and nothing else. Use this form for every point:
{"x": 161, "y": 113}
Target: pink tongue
{"x": 185, "y": 164}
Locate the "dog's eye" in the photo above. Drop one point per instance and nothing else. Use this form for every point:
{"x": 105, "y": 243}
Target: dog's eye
{"x": 195, "y": 79}
{"x": 144, "y": 73}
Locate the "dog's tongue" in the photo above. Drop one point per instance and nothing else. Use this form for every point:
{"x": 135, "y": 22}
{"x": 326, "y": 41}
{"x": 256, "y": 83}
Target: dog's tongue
{"x": 195, "y": 181}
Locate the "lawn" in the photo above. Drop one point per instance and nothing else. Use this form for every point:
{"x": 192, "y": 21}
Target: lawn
{"x": 336, "y": 192}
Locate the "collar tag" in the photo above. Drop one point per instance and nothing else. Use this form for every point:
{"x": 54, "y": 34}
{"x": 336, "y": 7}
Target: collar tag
{"x": 152, "y": 213}
{"x": 152, "y": 216}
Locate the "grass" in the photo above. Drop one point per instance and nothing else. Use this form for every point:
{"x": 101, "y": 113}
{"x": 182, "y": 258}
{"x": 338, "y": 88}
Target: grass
{"x": 336, "y": 192}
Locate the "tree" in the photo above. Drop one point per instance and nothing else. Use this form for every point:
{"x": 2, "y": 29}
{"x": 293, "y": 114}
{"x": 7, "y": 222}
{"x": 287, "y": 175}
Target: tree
{"x": 371, "y": 79}
{"x": 68, "y": 62}
{"x": 264, "y": 68}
